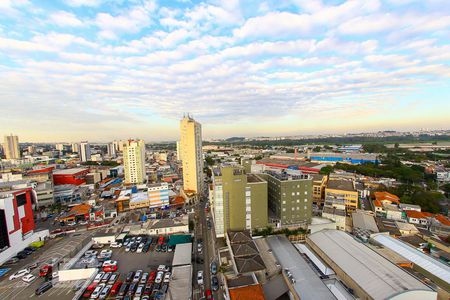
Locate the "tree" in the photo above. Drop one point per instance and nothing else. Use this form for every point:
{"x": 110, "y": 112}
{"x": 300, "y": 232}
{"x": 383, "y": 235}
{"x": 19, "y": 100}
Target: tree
{"x": 317, "y": 149}
{"x": 326, "y": 170}
{"x": 209, "y": 161}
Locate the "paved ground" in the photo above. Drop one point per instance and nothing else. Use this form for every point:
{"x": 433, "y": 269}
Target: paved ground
{"x": 59, "y": 248}
{"x": 132, "y": 261}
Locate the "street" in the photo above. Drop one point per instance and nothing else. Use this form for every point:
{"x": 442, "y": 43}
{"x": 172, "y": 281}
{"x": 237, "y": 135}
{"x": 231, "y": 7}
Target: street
{"x": 209, "y": 252}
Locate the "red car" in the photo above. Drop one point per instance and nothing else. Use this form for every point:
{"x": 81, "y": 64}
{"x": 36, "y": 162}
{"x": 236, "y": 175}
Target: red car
{"x": 46, "y": 269}
{"x": 161, "y": 240}
{"x": 151, "y": 277}
{"x": 209, "y": 295}
{"x": 112, "y": 268}
{"x": 88, "y": 291}
{"x": 115, "y": 288}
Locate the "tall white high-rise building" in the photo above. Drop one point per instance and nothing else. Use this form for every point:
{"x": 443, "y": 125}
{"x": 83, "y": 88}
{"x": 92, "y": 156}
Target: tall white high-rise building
{"x": 59, "y": 147}
{"x": 111, "y": 150}
{"x": 191, "y": 154}
{"x": 11, "y": 147}
{"x": 134, "y": 161}
{"x": 85, "y": 151}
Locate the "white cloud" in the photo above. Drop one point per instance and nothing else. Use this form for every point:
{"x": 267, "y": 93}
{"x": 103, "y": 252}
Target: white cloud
{"x": 64, "y": 18}
{"x": 275, "y": 24}
{"x": 78, "y": 3}
{"x": 18, "y": 45}
{"x": 131, "y": 21}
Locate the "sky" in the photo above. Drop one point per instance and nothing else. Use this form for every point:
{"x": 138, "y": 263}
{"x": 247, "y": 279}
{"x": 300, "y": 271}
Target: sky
{"x": 100, "y": 70}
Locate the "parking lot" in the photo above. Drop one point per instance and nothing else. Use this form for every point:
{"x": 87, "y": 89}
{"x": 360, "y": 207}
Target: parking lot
{"x": 58, "y": 249}
{"x": 129, "y": 282}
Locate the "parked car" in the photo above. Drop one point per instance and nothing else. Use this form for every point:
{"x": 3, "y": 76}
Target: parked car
{"x": 214, "y": 268}
{"x": 29, "y": 278}
{"x": 140, "y": 247}
{"x": 167, "y": 276}
{"x": 130, "y": 276}
{"x": 33, "y": 266}
{"x": 105, "y": 277}
{"x": 159, "y": 277}
{"x": 43, "y": 288}
{"x": 214, "y": 283}
{"x": 30, "y": 248}
{"x": 19, "y": 274}
{"x": 107, "y": 253}
{"x": 112, "y": 279}
{"x": 208, "y": 295}
{"x": 99, "y": 276}
{"x": 97, "y": 246}
{"x": 104, "y": 293}
{"x": 22, "y": 255}
{"x": 109, "y": 263}
{"x": 90, "y": 253}
{"x": 96, "y": 293}
{"x": 151, "y": 277}
{"x": 123, "y": 289}
{"x": 200, "y": 277}
{"x": 144, "y": 278}
{"x": 139, "y": 290}
{"x": 115, "y": 245}
{"x": 71, "y": 223}
{"x": 116, "y": 288}
{"x": 83, "y": 223}
{"x": 137, "y": 276}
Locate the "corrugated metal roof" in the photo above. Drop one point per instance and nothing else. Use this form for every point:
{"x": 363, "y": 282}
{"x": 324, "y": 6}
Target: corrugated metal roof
{"x": 182, "y": 255}
{"x": 378, "y": 277}
{"x": 424, "y": 261}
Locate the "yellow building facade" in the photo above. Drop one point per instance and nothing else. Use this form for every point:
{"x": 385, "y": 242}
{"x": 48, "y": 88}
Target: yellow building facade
{"x": 190, "y": 148}
{"x": 134, "y": 161}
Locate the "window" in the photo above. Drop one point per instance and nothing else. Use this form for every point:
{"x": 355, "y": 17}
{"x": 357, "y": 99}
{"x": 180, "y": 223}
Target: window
{"x": 306, "y": 192}
{"x": 298, "y": 193}
{"x": 306, "y": 200}
{"x": 293, "y": 193}
{"x": 284, "y": 202}
{"x": 284, "y": 209}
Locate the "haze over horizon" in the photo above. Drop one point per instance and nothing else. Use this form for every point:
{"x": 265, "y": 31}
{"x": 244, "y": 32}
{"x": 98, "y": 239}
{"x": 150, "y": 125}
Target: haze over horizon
{"x": 99, "y": 70}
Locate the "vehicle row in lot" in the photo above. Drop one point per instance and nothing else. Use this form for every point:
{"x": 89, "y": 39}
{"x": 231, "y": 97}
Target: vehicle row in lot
{"x": 136, "y": 285}
{"x": 21, "y": 255}
{"x": 144, "y": 244}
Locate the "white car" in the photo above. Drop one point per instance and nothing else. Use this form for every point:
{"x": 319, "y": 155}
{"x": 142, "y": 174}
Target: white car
{"x": 97, "y": 291}
{"x": 83, "y": 223}
{"x": 55, "y": 274}
{"x": 105, "y": 253}
{"x": 161, "y": 267}
{"x": 167, "y": 277}
{"x": 139, "y": 249}
{"x": 127, "y": 249}
{"x": 159, "y": 277}
{"x": 90, "y": 253}
{"x": 200, "y": 277}
{"x": 19, "y": 274}
{"x": 115, "y": 245}
{"x": 29, "y": 278}
{"x": 71, "y": 223}
{"x": 99, "y": 276}
{"x": 109, "y": 263}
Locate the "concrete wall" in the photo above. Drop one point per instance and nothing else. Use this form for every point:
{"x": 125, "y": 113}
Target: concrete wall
{"x": 259, "y": 206}
{"x": 76, "y": 274}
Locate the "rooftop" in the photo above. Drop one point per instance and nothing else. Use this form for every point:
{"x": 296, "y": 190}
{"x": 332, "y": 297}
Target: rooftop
{"x": 418, "y": 214}
{"x": 424, "y": 261}
{"x": 377, "y": 276}
{"x": 308, "y": 284}
{"x": 283, "y": 176}
{"x": 252, "y": 178}
{"x": 254, "y": 292}
{"x": 345, "y": 185}
{"x": 383, "y": 196}
{"x": 364, "y": 221}
{"x": 70, "y": 171}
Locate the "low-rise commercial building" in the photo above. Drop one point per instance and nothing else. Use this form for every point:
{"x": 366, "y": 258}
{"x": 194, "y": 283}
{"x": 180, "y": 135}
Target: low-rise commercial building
{"x": 342, "y": 190}
{"x": 367, "y": 273}
{"x": 75, "y": 176}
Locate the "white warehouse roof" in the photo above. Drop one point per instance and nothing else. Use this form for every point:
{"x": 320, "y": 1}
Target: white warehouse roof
{"x": 424, "y": 261}
{"x": 374, "y": 274}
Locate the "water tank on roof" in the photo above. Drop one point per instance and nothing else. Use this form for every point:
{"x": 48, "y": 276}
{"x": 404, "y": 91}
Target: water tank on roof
{"x": 134, "y": 189}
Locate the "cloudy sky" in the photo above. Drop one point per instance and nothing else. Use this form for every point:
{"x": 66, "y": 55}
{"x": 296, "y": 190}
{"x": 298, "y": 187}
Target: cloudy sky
{"x": 104, "y": 69}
